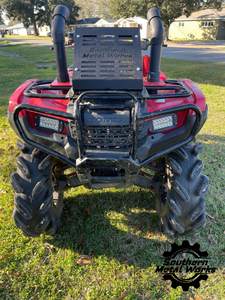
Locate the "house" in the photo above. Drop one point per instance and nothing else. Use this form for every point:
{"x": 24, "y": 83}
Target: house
{"x": 19, "y": 29}
{"x": 136, "y": 22}
{"x": 85, "y": 22}
{"x": 128, "y": 22}
{"x": 106, "y": 23}
{"x": 43, "y": 30}
{"x": 204, "y": 24}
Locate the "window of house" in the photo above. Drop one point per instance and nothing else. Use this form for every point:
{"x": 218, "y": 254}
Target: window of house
{"x": 207, "y": 24}
{"x": 181, "y": 24}
{"x": 46, "y": 28}
{"x": 133, "y": 25}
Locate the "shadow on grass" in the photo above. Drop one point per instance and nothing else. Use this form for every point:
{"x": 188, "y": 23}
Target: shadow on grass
{"x": 122, "y": 224}
{"x": 120, "y": 228}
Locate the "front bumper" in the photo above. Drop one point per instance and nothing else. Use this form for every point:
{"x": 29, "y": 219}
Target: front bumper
{"x": 142, "y": 152}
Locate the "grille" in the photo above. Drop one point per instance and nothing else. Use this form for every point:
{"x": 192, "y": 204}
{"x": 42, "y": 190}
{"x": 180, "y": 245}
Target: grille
{"x": 107, "y": 137}
{"x": 104, "y": 137}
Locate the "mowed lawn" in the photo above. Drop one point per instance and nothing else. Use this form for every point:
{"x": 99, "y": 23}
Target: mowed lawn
{"x": 109, "y": 244}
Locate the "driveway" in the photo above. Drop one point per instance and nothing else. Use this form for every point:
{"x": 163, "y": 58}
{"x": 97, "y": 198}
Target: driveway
{"x": 212, "y": 55}
{"x": 196, "y": 50}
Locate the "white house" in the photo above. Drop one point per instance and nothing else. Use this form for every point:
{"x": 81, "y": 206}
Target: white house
{"x": 144, "y": 27}
{"x": 106, "y": 23}
{"x": 43, "y": 30}
{"x": 127, "y": 22}
{"x": 19, "y": 29}
{"x": 136, "y": 22}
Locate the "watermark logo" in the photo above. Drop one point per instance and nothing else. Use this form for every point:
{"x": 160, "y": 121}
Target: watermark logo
{"x": 197, "y": 263}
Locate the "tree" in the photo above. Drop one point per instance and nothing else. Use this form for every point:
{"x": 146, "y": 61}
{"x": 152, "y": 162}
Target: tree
{"x": 94, "y": 8}
{"x": 73, "y": 8}
{"x": 170, "y": 10}
{"x": 27, "y": 11}
{"x": 31, "y": 12}
{"x": 13, "y": 22}
{"x": 1, "y": 19}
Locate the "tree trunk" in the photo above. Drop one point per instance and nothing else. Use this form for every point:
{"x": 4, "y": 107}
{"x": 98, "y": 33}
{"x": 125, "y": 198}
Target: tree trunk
{"x": 166, "y": 32}
{"x": 36, "y": 33}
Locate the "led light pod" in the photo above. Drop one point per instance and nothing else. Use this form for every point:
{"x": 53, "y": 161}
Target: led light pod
{"x": 48, "y": 124}
{"x": 163, "y": 123}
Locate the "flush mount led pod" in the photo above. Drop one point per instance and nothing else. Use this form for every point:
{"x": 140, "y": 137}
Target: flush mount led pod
{"x": 49, "y": 124}
{"x": 163, "y": 123}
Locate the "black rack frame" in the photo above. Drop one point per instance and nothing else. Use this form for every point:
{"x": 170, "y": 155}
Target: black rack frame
{"x": 176, "y": 85}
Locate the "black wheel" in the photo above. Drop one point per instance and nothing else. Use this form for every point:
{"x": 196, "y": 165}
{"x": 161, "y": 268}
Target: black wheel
{"x": 37, "y": 208}
{"x": 181, "y": 207}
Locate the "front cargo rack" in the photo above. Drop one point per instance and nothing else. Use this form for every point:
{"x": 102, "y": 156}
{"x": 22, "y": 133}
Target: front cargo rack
{"x": 38, "y": 86}
{"x": 181, "y": 90}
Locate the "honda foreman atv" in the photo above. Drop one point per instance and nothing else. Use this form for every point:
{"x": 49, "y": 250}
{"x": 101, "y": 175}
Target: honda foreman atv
{"x": 117, "y": 120}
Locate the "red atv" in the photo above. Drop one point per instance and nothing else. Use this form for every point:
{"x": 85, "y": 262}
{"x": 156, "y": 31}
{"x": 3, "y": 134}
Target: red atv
{"x": 117, "y": 120}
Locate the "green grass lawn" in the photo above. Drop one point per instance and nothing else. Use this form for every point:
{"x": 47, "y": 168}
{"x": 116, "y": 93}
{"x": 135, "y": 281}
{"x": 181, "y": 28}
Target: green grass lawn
{"x": 109, "y": 243}
{"x": 4, "y": 42}
{"x": 43, "y": 37}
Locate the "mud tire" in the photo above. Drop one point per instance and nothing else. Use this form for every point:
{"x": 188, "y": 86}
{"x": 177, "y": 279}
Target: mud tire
{"x": 181, "y": 208}
{"x": 37, "y": 209}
